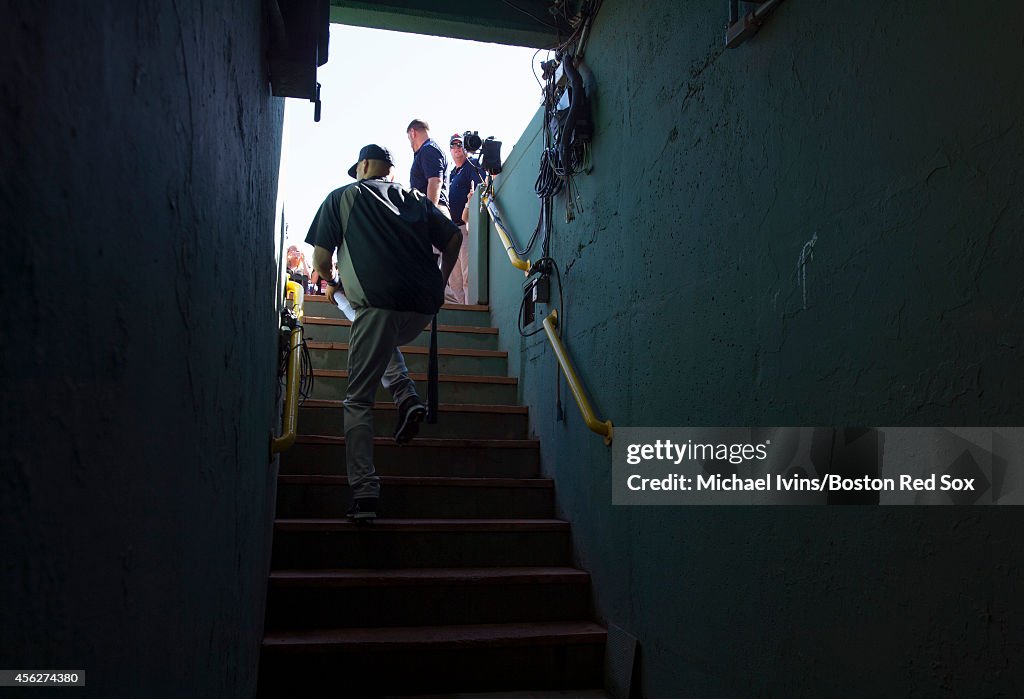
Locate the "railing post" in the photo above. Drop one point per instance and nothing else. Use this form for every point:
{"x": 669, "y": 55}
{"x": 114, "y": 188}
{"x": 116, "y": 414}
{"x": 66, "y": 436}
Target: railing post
{"x": 295, "y": 293}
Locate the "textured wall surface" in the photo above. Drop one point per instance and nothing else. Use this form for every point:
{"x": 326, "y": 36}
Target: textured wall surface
{"x": 140, "y": 157}
{"x": 890, "y": 135}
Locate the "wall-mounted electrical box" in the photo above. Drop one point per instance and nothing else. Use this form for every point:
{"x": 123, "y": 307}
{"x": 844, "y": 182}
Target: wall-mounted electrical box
{"x": 536, "y": 290}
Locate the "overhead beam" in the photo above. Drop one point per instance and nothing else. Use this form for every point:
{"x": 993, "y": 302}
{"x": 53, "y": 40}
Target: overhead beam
{"x": 515, "y": 22}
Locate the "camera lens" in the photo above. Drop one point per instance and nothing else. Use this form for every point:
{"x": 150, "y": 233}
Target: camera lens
{"x": 471, "y": 140}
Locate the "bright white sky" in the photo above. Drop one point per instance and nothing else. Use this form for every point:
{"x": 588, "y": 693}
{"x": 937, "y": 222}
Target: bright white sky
{"x": 374, "y": 83}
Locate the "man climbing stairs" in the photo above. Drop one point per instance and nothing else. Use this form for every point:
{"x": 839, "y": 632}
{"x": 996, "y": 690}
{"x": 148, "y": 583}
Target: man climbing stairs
{"x": 464, "y": 583}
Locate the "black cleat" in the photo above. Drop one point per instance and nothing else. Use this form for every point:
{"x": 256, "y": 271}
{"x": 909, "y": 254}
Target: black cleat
{"x": 363, "y": 510}
{"x": 410, "y": 414}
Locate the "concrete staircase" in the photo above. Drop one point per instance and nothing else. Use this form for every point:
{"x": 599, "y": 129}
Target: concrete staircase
{"x": 465, "y": 582}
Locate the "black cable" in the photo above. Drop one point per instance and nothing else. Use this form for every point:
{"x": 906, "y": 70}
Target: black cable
{"x": 515, "y": 7}
{"x": 564, "y": 151}
{"x": 572, "y": 37}
{"x": 547, "y": 185}
{"x": 533, "y": 69}
{"x": 306, "y": 377}
{"x": 562, "y": 156}
{"x": 482, "y": 174}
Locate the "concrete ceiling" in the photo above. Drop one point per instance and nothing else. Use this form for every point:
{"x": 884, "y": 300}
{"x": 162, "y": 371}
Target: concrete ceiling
{"x": 515, "y": 22}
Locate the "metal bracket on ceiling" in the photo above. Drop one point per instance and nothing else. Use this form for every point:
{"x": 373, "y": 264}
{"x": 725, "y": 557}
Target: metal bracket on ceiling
{"x": 739, "y": 29}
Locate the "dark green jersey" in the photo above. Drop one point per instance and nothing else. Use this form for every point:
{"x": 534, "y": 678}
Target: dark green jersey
{"x": 385, "y": 235}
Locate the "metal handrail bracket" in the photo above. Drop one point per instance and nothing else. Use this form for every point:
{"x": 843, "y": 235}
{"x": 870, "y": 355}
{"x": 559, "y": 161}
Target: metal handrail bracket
{"x": 605, "y": 428}
{"x": 294, "y": 294}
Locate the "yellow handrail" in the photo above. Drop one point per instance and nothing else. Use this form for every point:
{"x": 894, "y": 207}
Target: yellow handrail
{"x": 605, "y": 429}
{"x": 293, "y": 293}
{"x": 519, "y": 263}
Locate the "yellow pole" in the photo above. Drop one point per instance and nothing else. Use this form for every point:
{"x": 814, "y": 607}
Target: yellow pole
{"x": 605, "y": 429}
{"x": 506, "y": 239}
{"x": 294, "y": 294}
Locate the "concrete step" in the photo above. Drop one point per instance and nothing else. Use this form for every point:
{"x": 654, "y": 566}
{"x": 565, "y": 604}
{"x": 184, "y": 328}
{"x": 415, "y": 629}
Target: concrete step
{"x": 455, "y": 420}
{"x": 452, "y": 336}
{"x": 465, "y": 658}
{"x": 331, "y": 384}
{"x": 419, "y": 543}
{"x": 309, "y": 599}
{"x": 334, "y": 355}
{"x": 450, "y": 313}
{"x": 404, "y": 496}
{"x": 496, "y": 458}
{"x": 462, "y": 585}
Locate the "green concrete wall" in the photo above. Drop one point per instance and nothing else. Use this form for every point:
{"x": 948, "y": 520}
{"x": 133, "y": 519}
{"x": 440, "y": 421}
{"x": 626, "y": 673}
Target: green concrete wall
{"x": 893, "y": 133}
{"x": 140, "y": 157}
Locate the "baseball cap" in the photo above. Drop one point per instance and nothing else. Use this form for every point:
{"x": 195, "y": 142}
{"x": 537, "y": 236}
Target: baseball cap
{"x": 455, "y": 137}
{"x": 372, "y": 152}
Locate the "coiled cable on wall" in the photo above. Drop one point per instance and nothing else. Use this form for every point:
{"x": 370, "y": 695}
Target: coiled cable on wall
{"x": 306, "y": 378}
{"x": 567, "y": 131}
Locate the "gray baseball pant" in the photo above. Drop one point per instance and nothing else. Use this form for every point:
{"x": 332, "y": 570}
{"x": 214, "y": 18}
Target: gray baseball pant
{"x": 376, "y": 335}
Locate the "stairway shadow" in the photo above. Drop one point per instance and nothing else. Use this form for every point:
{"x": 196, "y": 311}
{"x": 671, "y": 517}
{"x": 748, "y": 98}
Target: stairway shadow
{"x": 464, "y": 585}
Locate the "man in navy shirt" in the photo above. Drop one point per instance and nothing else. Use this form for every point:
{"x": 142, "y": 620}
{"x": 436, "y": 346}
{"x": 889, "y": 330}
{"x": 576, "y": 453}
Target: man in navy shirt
{"x": 429, "y": 175}
{"x": 429, "y": 166}
{"x": 465, "y": 175}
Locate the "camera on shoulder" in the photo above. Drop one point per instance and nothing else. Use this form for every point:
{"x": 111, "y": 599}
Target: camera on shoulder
{"x": 490, "y": 150}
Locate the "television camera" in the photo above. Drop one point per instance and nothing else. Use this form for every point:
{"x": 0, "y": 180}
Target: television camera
{"x": 489, "y": 149}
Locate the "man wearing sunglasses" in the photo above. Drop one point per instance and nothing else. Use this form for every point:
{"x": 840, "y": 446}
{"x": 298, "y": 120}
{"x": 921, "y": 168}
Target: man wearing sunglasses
{"x": 465, "y": 175}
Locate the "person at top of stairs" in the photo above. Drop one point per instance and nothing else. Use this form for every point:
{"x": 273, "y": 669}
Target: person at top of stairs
{"x": 385, "y": 235}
